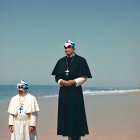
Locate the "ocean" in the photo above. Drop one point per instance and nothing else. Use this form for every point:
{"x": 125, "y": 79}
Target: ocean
{"x": 47, "y": 91}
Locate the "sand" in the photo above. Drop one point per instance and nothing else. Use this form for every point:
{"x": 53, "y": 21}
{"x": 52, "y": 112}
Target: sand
{"x": 110, "y": 117}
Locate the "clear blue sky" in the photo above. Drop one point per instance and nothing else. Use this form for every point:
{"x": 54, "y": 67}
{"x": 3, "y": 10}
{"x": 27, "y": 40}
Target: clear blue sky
{"x": 106, "y": 33}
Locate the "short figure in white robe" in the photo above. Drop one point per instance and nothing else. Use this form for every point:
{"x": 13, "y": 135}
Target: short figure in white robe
{"x": 23, "y": 109}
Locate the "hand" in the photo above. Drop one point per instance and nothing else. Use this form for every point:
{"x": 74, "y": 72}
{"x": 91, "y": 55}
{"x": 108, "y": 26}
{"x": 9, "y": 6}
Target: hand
{"x": 71, "y": 82}
{"x": 31, "y": 129}
{"x": 11, "y": 128}
{"x": 64, "y": 83}
{"x": 67, "y": 83}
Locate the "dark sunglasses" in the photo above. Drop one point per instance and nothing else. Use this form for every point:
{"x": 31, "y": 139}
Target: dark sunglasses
{"x": 67, "y": 47}
{"x": 20, "y": 86}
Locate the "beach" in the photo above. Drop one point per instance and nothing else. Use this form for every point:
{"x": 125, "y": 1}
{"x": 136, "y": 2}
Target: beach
{"x": 110, "y": 117}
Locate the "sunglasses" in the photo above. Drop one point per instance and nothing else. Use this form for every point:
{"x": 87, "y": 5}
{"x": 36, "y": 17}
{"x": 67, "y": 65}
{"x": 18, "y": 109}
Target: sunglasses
{"x": 67, "y": 47}
{"x": 20, "y": 86}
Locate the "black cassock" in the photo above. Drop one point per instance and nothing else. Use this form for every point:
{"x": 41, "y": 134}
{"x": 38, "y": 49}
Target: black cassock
{"x": 71, "y": 110}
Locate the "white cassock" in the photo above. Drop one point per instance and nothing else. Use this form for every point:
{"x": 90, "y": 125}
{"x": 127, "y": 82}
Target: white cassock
{"x": 23, "y": 116}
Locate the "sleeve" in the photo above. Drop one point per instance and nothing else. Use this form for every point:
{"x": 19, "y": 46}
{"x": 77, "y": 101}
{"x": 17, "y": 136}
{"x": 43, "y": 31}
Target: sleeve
{"x": 84, "y": 69}
{"x": 79, "y": 81}
{"x": 58, "y": 80}
{"x": 11, "y": 119}
{"x": 33, "y": 119}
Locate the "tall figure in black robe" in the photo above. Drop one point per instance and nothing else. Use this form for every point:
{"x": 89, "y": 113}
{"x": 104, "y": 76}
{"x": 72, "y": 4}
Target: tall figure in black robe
{"x": 70, "y": 72}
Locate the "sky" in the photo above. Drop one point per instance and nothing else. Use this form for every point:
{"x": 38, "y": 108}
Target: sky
{"x": 106, "y": 33}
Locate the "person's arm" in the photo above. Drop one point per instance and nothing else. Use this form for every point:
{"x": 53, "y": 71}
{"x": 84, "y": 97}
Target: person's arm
{"x": 33, "y": 121}
{"x": 58, "y": 80}
{"x": 11, "y": 119}
{"x": 77, "y": 82}
{"x": 80, "y": 80}
{"x": 11, "y": 122}
{"x": 61, "y": 82}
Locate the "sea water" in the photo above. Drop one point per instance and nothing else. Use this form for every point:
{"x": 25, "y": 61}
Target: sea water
{"x": 46, "y": 91}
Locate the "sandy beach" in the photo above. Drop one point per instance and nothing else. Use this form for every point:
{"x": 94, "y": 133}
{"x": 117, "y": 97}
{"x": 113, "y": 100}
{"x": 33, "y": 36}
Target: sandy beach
{"x": 110, "y": 117}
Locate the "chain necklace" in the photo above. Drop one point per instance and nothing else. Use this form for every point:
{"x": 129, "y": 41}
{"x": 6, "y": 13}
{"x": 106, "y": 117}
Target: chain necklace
{"x": 68, "y": 65}
{"x": 21, "y": 102}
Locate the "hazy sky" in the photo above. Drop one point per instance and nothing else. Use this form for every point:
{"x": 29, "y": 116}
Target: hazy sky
{"x": 106, "y": 33}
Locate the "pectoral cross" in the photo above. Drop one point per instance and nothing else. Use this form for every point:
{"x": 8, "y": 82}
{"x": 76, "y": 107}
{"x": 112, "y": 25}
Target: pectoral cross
{"x": 67, "y": 72}
{"x": 21, "y": 108}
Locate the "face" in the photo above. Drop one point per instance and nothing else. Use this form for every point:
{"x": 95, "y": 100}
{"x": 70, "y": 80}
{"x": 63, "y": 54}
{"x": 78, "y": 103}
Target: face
{"x": 22, "y": 90}
{"x": 69, "y": 50}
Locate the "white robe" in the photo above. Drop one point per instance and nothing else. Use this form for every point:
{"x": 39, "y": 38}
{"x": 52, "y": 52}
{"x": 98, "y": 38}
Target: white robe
{"x": 22, "y": 119}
